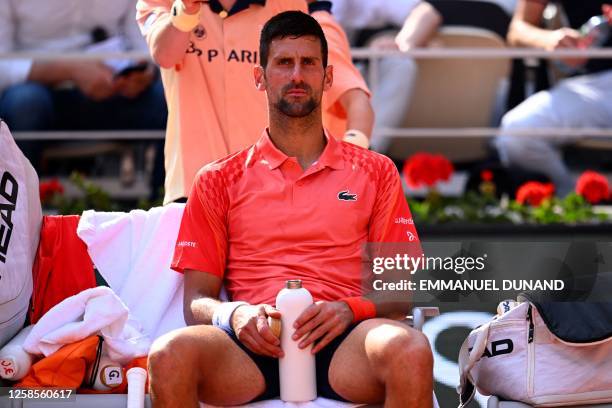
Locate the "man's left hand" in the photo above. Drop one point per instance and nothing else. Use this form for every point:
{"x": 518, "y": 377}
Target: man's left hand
{"x": 321, "y": 322}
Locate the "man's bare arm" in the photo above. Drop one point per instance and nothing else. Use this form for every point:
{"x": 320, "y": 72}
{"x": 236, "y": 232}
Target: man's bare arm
{"x": 524, "y": 31}
{"x": 359, "y": 112}
{"x": 420, "y": 26}
{"x": 249, "y": 321}
{"x": 201, "y": 297}
{"x": 525, "y": 28}
{"x": 166, "y": 42}
{"x": 93, "y": 78}
{"x": 52, "y": 72}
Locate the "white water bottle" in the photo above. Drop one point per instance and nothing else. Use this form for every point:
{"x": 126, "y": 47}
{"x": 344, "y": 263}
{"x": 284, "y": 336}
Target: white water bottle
{"x": 15, "y": 362}
{"x": 297, "y": 369}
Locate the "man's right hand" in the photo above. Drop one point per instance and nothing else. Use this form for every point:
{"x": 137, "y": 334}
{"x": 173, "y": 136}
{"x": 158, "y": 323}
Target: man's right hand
{"x": 566, "y": 38}
{"x": 250, "y": 323}
{"x": 94, "y": 79}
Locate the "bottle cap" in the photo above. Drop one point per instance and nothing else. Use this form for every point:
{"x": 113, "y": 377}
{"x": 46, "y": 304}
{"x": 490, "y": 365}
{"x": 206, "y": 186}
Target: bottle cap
{"x": 135, "y": 373}
{"x": 294, "y": 284}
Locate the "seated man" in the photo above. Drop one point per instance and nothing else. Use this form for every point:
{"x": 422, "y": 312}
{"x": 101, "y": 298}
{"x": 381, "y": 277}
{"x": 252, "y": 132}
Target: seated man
{"x": 296, "y": 205}
{"x": 580, "y": 101}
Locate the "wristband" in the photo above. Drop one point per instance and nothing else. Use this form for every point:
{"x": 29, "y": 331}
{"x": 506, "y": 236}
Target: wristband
{"x": 222, "y": 317}
{"x": 181, "y": 20}
{"x": 362, "y": 308}
{"x": 356, "y": 137}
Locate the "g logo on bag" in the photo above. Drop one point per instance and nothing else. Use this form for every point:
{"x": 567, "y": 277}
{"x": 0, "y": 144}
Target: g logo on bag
{"x": 498, "y": 348}
{"x": 8, "y": 190}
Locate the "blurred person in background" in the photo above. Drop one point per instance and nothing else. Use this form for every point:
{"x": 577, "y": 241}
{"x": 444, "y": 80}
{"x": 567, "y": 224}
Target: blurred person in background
{"x": 584, "y": 100}
{"x": 47, "y": 94}
{"x": 417, "y": 22}
{"x": 353, "y": 98}
{"x": 207, "y": 52}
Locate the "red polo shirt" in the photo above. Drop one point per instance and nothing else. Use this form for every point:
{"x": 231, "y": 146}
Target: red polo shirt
{"x": 256, "y": 219}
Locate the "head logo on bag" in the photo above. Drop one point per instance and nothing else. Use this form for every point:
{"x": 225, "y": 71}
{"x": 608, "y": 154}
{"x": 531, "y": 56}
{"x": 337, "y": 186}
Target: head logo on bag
{"x": 8, "y": 190}
{"x": 498, "y": 348}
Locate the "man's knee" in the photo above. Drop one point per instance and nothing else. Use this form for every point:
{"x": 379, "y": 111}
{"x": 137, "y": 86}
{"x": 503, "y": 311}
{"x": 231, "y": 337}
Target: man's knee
{"x": 537, "y": 111}
{"x": 513, "y": 148}
{"x": 512, "y": 119}
{"x": 160, "y": 355}
{"x": 410, "y": 348}
{"x": 414, "y": 349}
{"x": 27, "y": 106}
{"x": 171, "y": 355}
{"x": 402, "y": 348}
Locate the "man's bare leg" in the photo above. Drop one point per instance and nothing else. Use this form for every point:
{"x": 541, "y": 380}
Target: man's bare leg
{"x": 384, "y": 360}
{"x": 201, "y": 363}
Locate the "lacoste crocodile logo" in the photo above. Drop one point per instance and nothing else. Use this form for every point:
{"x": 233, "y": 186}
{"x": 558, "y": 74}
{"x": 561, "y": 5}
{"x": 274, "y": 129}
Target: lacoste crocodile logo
{"x": 346, "y": 196}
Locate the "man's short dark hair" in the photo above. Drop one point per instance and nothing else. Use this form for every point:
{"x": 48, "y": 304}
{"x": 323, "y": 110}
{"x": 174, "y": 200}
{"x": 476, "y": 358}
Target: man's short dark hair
{"x": 293, "y": 24}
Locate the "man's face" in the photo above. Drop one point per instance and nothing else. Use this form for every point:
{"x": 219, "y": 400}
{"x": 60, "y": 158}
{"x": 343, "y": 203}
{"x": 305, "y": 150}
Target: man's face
{"x": 294, "y": 78}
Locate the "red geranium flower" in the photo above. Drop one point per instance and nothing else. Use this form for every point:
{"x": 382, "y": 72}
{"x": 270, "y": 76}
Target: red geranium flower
{"x": 534, "y": 192}
{"x": 427, "y": 169}
{"x": 593, "y": 187}
{"x": 49, "y": 188}
{"x": 486, "y": 175}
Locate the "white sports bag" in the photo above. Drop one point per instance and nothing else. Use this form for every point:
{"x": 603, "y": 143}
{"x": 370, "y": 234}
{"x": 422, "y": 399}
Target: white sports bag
{"x": 20, "y": 219}
{"x": 517, "y": 358}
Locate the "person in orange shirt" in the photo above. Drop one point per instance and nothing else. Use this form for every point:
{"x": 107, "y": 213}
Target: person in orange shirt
{"x": 298, "y": 204}
{"x": 206, "y": 52}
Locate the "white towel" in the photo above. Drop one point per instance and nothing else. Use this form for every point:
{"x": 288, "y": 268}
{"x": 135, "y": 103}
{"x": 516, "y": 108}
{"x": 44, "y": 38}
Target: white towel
{"x": 97, "y": 310}
{"x": 132, "y": 251}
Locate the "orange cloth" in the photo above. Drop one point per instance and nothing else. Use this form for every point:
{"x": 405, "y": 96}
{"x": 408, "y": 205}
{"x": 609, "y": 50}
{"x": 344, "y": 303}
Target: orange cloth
{"x": 69, "y": 366}
{"x": 66, "y": 368}
{"x": 256, "y": 220}
{"x": 62, "y": 267}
